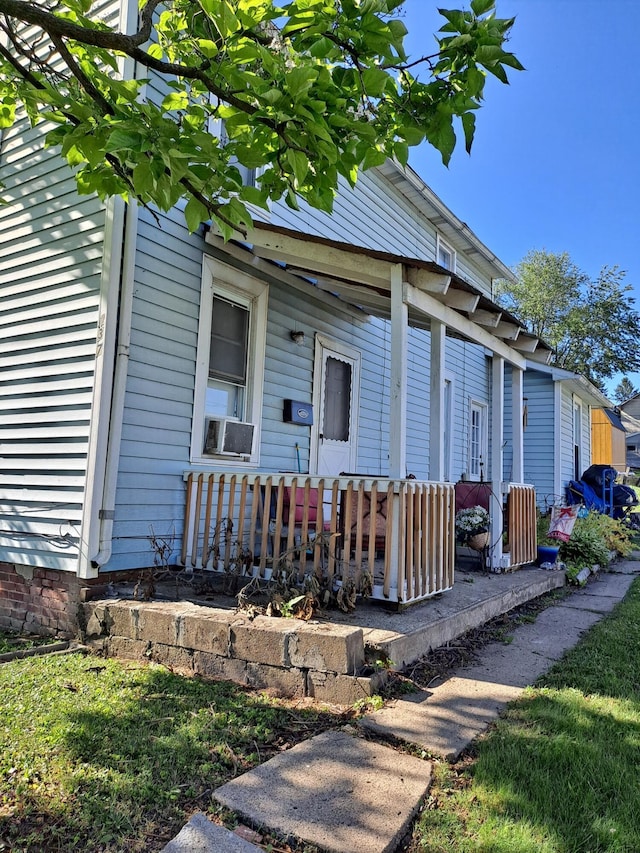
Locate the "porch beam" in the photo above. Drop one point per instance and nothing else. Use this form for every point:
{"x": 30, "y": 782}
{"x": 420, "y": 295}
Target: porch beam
{"x": 430, "y": 282}
{"x": 490, "y": 319}
{"x": 507, "y": 331}
{"x": 436, "y": 407}
{"x": 517, "y": 426}
{"x": 497, "y": 466}
{"x": 320, "y": 258}
{"x": 526, "y": 343}
{"x": 399, "y": 393}
{"x": 461, "y": 300}
{"x": 431, "y": 307}
{"x": 540, "y": 356}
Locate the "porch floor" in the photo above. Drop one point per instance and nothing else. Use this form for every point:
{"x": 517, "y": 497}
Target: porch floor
{"x": 403, "y": 636}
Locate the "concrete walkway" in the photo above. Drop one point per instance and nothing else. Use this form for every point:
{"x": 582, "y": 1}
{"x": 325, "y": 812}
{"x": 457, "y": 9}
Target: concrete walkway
{"x": 348, "y": 794}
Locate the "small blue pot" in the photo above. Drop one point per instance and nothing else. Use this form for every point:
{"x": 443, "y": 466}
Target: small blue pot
{"x": 547, "y": 553}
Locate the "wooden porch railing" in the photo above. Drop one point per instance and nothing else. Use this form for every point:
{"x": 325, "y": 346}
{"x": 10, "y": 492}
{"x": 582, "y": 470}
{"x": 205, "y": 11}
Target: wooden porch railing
{"x": 400, "y": 532}
{"x": 521, "y": 524}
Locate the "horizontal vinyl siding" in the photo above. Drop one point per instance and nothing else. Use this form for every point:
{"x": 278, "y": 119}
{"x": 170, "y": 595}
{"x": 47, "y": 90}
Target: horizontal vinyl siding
{"x": 376, "y": 215}
{"x": 50, "y": 269}
{"x": 539, "y": 436}
{"x": 156, "y": 429}
{"x": 566, "y": 436}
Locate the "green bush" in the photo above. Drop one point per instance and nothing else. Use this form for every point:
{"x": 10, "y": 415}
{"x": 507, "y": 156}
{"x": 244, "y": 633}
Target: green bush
{"x": 587, "y": 546}
{"x": 616, "y": 535}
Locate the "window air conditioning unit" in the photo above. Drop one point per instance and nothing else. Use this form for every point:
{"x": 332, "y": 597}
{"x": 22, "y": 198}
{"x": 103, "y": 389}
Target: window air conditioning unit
{"x": 228, "y": 437}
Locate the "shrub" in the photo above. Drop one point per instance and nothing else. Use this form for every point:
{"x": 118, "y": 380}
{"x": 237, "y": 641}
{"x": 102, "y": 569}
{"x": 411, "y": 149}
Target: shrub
{"x": 587, "y": 546}
{"x": 616, "y": 535}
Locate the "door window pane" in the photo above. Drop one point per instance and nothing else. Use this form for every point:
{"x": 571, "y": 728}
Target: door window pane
{"x": 337, "y": 400}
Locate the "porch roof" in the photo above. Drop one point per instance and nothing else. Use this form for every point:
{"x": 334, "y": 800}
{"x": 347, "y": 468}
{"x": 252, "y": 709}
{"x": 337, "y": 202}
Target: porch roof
{"x": 362, "y": 277}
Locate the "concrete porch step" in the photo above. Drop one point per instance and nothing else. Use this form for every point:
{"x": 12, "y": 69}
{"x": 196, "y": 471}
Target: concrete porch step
{"x": 476, "y": 597}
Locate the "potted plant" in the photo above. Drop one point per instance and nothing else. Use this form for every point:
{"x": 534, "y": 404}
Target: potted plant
{"x": 472, "y": 527}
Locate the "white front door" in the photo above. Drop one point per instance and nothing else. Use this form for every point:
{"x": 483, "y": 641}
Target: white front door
{"x": 336, "y": 401}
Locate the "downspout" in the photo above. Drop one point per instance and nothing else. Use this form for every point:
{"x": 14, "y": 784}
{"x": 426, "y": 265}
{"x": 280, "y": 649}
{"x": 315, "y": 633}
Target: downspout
{"x": 107, "y": 510}
{"x": 121, "y": 281}
{"x": 102, "y": 384}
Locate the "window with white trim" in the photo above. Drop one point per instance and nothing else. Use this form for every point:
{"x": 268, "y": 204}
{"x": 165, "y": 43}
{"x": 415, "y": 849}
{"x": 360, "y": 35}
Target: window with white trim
{"x": 230, "y": 365}
{"x": 478, "y": 440}
{"x": 445, "y": 255}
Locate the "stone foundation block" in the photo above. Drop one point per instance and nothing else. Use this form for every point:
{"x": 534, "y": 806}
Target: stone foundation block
{"x": 216, "y": 667}
{"x": 121, "y": 619}
{"x": 125, "y": 647}
{"x": 327, "y": 648}
{"x": 342, "y": 689}
{"x": 291, "y": 683}
{"x": 95, "y": 621}
{"x": 262, "y": 640}
{"x": 157, "y": 624}
{"x": 173, "y": 657}
{"x": 206, "y": 632}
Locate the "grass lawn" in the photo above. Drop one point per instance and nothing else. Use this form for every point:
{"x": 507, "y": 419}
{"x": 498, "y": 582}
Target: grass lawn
{"x": 13, "y": 642}
{"x": 99, "y": 755}
{"x": 102, "y": 756}
{"x": 560, "y": 773}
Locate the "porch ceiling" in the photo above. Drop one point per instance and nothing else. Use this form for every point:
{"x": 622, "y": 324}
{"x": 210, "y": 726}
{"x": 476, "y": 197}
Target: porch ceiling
{"x": 362, "y": 277}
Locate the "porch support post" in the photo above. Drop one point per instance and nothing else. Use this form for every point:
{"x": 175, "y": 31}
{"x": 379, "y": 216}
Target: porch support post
{"x": 497, "y": 434}
{"x": 436, "y": 405}
{"x": 517, "y": 426}
{"x": 398, "y": 400}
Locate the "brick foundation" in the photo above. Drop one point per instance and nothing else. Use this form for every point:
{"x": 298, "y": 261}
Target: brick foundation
{"x": 46, "y": 601}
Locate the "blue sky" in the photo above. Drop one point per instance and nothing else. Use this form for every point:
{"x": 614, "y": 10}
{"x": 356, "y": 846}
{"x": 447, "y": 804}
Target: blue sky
{"x": 556, "y": 160}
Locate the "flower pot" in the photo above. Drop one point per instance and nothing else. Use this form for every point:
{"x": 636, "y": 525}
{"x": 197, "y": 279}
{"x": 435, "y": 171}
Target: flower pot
{"x": 478, "y": 541}
{"x": 547, "y": 554}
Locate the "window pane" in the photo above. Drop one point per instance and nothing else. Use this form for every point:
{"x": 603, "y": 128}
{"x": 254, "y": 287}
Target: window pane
{"x": 229, "y": 339}
{"x": 444, "y": 258}
{"x": 337, "y": 400}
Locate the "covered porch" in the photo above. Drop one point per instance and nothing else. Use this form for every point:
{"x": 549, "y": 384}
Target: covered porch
{"x": 392, "y": 539}
{"x": 326, "y": 526}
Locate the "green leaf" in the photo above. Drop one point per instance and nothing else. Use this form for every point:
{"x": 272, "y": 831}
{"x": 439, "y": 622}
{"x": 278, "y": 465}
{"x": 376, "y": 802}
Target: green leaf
{"x": 373, "y": 157}
{"x": 469, "y": 127}
{"x": 299, "y": 165}
{"x": 124, "y": 140}
{"x": 208, "y": 48}
{"x": 195, "y": 213}
{"x": 481, "y": 7}
{"x": 175, "y": 101}
{"x": 375, "y": 81}
{"x": 7, "y": 112}
{"x": 401, "y": 152}
{"x": 300, "y": 80}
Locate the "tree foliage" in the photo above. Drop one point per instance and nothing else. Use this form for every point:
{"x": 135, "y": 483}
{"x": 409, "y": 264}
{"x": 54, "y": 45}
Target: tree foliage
{"x": 624, "y": 390}
{"x": 591, "y": 324}
{"x": 308, "y": 90}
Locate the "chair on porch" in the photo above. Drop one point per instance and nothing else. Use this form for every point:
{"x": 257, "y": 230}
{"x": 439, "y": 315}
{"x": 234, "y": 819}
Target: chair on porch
{"x": 279, "y": 526}
{"x": 366, "y": 523}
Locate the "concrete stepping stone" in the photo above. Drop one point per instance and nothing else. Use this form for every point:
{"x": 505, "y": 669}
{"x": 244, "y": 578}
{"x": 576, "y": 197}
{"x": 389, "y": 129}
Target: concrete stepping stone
{"x": 200, "y": 835}
{"x": 447, "y": 719}
{"x": 339, "y": 792}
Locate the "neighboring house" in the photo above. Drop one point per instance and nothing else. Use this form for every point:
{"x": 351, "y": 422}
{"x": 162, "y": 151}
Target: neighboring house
{"x": 608, "y": 439}
{"x": 630, "y": 417}
{"x": 157, "y": 384}
{"x": 557, "y": 427}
